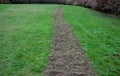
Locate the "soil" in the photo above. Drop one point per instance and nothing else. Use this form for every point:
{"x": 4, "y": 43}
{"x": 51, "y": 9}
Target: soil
{"x": 67, "y": 57}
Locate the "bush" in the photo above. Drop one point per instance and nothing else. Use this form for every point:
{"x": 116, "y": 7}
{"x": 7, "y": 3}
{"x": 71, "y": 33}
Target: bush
{"x": 116, "y": 6}
{"x": 4, "y": 1}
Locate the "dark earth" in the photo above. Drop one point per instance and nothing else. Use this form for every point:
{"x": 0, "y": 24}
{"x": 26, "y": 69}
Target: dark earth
{"x": 67, "y": 57}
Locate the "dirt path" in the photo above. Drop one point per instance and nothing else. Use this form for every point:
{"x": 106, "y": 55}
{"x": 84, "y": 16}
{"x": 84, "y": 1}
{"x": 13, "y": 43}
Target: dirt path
{"x": 67, "y": 57}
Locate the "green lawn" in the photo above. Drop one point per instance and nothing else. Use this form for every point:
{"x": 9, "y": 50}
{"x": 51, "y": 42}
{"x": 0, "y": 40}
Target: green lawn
{"x": 26, "y": 33}
{"x": 25, "y": 39}
{"x": 99, "y": 34}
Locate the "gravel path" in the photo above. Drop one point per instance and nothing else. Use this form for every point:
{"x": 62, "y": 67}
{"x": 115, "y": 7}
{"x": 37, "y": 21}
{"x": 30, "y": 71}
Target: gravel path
{"x": 67, "y": 57}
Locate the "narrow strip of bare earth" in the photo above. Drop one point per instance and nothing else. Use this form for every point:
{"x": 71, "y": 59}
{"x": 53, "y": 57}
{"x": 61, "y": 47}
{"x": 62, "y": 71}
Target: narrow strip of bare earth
{"x": 67, "y": 57}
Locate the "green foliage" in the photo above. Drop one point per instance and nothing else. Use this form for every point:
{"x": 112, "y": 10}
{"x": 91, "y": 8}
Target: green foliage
{"x": 99, "y": 34}
{"x": 25, "y": 39}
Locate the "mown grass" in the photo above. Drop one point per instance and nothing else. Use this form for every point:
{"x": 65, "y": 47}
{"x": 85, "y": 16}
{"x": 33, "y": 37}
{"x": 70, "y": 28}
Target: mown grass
{"x": 99, "y": 34}
{"x": 25, "y": 39}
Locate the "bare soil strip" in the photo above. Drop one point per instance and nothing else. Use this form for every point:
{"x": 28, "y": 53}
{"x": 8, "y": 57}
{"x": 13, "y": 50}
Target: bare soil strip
{"x": 67, "y": 57}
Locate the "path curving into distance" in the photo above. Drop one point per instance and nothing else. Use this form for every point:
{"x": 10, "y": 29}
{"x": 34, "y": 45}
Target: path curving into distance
{"x": 67, "y": 57}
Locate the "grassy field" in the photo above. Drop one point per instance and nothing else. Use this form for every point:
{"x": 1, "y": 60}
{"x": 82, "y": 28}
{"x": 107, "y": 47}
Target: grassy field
{"x": 25, "y": 39}
{"x": 99, "y": 34}
{"x": 26, "y": 32}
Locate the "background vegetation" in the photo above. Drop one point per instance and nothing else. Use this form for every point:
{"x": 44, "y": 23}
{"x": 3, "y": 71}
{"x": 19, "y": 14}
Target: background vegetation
{"x": 110, "y": 6}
